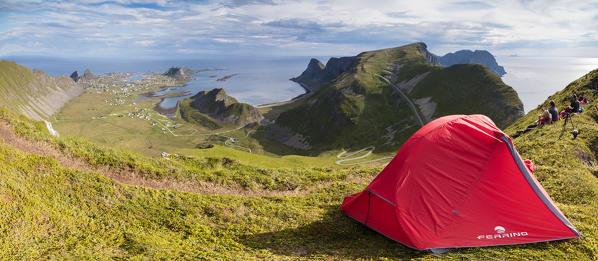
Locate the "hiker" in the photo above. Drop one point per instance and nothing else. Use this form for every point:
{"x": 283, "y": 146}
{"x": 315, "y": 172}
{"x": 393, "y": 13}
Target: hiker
{"x": 554, "y": 112}
{"x": 573, "y": 107}
{"x": 544, "y": 118}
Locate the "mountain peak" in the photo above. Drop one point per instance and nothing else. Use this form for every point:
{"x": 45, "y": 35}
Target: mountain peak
{"x": 176, "y": 72}
{"x": 478, "y": 56}
{"x": 88, "y": 74}
{"x": 219, "y": 106}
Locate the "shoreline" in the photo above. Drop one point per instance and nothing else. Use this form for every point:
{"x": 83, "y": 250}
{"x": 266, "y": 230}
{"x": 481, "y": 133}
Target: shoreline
{"x": 172, "y": 111}
{"x": 168, "y": 112}
{"x": 300, "y": 96}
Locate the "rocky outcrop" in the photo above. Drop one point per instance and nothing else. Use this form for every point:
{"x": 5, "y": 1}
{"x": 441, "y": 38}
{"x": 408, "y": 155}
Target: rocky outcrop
{"x": 88, "y": 75}
{"x": 317, "y": 74}
{"x": 469, "y": 57}
{"x": 75, "y": 76}
{"x": 34, "y": 93}
{"x": 218, "y": 105}
{"x": 429, "y": 57}
{"x": 176, "y": 72}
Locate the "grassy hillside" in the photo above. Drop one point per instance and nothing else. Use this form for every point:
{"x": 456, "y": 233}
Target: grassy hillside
{"x": 190, "y": 114}
{"x": 215, "y": 107}
{"x": 355, "y": 110}
{"x": 52, "y": 209}
{"x": 470, "y": 89}
{"x": 33, "y": 93}
{"x": 359, "y": 108}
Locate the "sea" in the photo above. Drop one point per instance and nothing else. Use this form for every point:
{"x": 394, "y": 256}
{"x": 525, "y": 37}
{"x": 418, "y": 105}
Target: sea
{"x": 264, "y": 80}
{"x": 536, "y": 78}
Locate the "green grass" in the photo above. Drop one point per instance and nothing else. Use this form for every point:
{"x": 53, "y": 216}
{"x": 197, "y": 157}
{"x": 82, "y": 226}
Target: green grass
{"x": 191, "y": 114}
{"x": 52, "y": 212}
{"x": 262, "y": 161}
{"x": 23, "y": 90}
{"x": 470, "y": 89}
{"x": 48, "y": 211}
{"x": 356, "y": 109}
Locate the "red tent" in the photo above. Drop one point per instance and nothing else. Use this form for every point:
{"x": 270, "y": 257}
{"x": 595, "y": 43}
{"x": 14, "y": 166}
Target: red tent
{"x": 459, "y": 182}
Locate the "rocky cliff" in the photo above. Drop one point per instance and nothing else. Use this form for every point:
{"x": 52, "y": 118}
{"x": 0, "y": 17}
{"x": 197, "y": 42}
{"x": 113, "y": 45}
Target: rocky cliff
{"x": 34, "y": 93}
{"x": 318, "y": 74}
{"x": 176, "y": 72}
{"x": 470, "y": 57}
{"x": 219, "y": 106}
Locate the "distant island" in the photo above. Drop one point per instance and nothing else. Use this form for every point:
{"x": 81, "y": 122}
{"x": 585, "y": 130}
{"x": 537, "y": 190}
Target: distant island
{"x": 225, "y": 78}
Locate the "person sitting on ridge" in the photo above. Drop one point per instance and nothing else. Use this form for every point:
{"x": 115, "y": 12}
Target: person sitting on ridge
{"x": 544, "y": 118}
{"x": 573, "y": 107}
{"x": 554, "y": 112}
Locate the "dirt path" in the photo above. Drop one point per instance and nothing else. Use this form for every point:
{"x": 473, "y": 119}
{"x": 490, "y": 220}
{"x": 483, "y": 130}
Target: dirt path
{"x": 8, "y": 137}
{"x": 417, "y": 114}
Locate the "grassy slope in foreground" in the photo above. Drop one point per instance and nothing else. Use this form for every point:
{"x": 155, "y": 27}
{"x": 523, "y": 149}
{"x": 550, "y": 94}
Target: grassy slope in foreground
{"x": 50, "y": 211}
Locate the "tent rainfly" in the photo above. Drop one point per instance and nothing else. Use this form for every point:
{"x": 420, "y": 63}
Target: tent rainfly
{"x": 459, "y": 182}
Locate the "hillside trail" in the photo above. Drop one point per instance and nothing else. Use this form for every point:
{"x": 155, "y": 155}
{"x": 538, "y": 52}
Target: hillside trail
{"x": 130, "y": 177}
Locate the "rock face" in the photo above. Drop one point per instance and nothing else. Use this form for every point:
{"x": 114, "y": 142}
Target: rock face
{"x": 469, "y": 57}
{"x": 317, "y": 74}
{"x": 34, "y": 93}
{"x": 88, "y": 75}
{"x": 176, "y": 72}
{"x": 75, "y": 76}
{"x": 218, "y": 105}
{"x": 430, "y": 58}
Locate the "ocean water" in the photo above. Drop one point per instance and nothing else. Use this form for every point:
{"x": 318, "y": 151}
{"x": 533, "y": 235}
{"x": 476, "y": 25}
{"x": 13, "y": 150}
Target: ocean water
{"x": 536, "y": 78}
{"x": 266, "y": 80}
{"x": 256, "y": 81}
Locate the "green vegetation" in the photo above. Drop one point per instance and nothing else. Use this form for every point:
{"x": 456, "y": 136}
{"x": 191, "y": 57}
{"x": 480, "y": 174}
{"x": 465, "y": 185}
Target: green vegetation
{"x": 49, "y": 211}
{"x": 470, "y": 89}
{"x": 217, "y": 106}
{"x": 359, "y": 109}
{"x": 31, "y": 92}
{"x": 191, "y": 114}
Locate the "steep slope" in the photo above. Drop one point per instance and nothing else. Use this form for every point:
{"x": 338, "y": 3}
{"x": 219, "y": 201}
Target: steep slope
{"x": 468, "y": 89}
{"x": 385, "y": 95}
{"x": 217, "y": 105}
{"x": 470, "y": 57}
{"x": 51, "y": 209}
{"x": 34, "y": 93}
{"x": 316, "y": 74}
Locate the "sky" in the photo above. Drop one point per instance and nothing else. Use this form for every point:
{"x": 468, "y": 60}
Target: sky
{"x": 186, "y": 29}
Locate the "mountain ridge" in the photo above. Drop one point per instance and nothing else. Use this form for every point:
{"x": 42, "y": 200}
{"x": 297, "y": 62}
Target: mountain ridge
{"x": 219, "y": 106}
{"x": 39, "y": 95}
{"x": 354, "y": 100}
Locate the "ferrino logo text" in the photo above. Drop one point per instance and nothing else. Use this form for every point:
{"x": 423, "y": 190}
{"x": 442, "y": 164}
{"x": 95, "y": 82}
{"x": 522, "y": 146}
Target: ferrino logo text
{"x": 500, "y": 233}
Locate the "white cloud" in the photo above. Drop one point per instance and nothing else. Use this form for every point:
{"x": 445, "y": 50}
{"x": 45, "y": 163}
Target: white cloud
{"x": 313, "y": 25}
{"x": 224, "y": 40}
{"x": 145, "y": 42}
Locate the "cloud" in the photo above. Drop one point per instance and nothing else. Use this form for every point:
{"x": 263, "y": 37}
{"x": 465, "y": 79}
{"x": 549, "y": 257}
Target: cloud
{"x": 145, "y": 42}
{"x": 268, "y": 27}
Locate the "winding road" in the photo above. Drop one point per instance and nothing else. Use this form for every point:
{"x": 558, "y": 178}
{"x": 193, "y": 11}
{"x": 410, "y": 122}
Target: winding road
{"x": 418, "y": 115}
{"x": 349, "y": 157}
